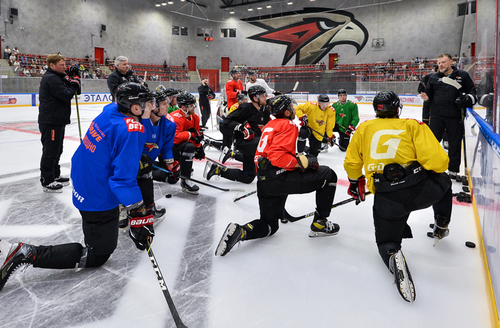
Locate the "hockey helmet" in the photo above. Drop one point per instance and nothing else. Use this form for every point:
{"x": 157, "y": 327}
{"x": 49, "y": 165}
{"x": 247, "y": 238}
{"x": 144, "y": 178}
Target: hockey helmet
{"x": 171, "y": 92}
{"x": 251, "y": 72}
{"x": 234, "y": 71}
{"x": 387, "y": 104}
{"x": 341, "y": 92}
{"x": 323, "y": 98}
{"x": 160, "y": 96}
{"x": 240, "y": 97}
{"x": 279, "y": 104}
{"x": 186, "y": 99}
{"x": 130, "y": 93}
{"x": 256, "y": 90}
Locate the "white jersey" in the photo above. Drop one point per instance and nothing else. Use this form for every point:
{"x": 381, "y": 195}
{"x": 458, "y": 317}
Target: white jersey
{"x": 262, "y": 83}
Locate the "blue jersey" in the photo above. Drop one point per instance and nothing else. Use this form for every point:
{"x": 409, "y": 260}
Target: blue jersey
{"x": 104, "y": 167}
{"x": 159, "y": 138}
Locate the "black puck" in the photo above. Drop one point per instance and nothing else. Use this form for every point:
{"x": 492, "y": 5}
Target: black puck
{"x": 168, "y": 196}
{"x": 470, "y": 244}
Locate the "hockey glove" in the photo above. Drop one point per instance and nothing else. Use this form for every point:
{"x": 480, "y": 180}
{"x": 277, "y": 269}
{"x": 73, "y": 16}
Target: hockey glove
{"x": 332, "y": 141}
{"x": 74, "y": 83}
{"x": 357, "y": 189}
{"x": 196, "y": 136}
{"x": 304, "y": 121}
{"x": 199, "y": 153}
{"x": 350, "y": 129}
{"x": 72, "y": 71}
{"x": 276, "y": 93}
{"x": 141, "y": 225}
{"x": 175, "y": 168}
{"x": 465, "y": 101}
{"x": 247, "y": 131}
{"x": 305, "y": 162}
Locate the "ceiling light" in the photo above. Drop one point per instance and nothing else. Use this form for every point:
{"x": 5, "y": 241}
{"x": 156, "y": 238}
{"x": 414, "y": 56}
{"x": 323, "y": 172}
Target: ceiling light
{"x": 170, "y": 2}
{"x": 157, "y": 4}
{"x": 289, "y": 3}
{"x": 268, "y": 6}
{"x": 231, "y": 12}
{"x": 250, "y": 9}
{"x": 259, "y": 8}
{"x": 163, "y": 3}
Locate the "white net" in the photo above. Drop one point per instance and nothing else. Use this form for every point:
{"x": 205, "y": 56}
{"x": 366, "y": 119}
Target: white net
{"x": 300, "y": 96}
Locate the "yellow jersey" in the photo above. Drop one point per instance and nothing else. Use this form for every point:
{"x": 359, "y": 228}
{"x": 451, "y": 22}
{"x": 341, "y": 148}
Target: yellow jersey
{"x": 383, "y": 141}
{"x": 319, "y": 120}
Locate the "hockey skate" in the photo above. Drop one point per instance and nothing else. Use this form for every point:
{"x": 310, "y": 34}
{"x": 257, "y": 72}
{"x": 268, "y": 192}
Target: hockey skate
{"x": 213, "y": 169}
{"x": 226, "y": 154}
{"x": 440, "y": 228}
{"x": 321, "y": 227}
{"x": 158, "y": 213}
{"x": 402, "y": 276}
{"x": 19, "y": 254}
{"x": 123, "y": 220}
{"x": 53, "y": 187}
{"x": 63, "y": 181}
{"x": 234, "y": 234}
{"x": 189, "y": 187}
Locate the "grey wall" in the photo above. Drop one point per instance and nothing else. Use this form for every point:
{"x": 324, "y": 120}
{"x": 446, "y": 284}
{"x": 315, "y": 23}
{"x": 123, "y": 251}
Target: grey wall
{"x": 137, "y": 29}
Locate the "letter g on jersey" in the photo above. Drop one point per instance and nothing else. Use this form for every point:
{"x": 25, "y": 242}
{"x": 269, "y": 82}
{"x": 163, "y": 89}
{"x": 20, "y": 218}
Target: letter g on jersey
{"x": 392, "y": 144}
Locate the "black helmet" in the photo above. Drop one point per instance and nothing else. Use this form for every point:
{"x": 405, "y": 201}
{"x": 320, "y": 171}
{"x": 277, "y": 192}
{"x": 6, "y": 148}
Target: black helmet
{"x": 240, "y": 96}
{"x": 130, "y": 93}
{"x": 278, "y": 105}
{"x": 171, "y": 92}
{"x": 341, "y": 92}
{"x": 185, "y": 99}
{"x": 233, "y": 71}
{"x": 255, "y": 90}
{"x": 387, "y": 104}
{"x": 252, "y": 72}
{"x": 323, "y": 98}
{"x": 160, "y": 96}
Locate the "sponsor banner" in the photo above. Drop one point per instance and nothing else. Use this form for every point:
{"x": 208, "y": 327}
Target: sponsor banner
{"x": 86, "y": 98}
{"x": 15, "y": 100}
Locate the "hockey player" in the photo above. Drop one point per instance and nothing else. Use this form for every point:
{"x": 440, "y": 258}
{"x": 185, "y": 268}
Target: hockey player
{"x": 188, "y": 137}
{"x": 172, "y": 95}
{"x": 346, "y": 119}
{"x": 241, "y": 98}
{"x": 450, "y": 92}
{"x": 282, "y": 173}
{"x": 228, "y": 151}
{"x": 404, "y": 165}
{"x": 233, "y": 87}
{"x": 256, "y": 81}
{"x": 317, "y": 121}
{"x": 104, "y": 171}
{"x": 246, "y": 123}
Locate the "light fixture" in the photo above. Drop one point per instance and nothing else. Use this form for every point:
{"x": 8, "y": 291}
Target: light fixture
{"x": 289, "y": 3}
{"x": 231, "y": 12}
{"x": 157, "y": 4}
{"x": 259, "y": 8}
{"x": 163, "y": 3}
{"x": 250, "y": 9}
{"x": 268, "y": 6}
{"x": 170, "y": 2}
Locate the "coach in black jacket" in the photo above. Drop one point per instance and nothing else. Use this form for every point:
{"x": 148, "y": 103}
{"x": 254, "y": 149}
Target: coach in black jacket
{"x": 450, "y": 92}
{"x": 57, "y": 88}
{"x": 121, "y": 75}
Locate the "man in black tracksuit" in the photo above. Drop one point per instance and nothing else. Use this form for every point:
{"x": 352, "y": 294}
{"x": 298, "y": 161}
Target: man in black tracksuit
{"x": 121, "y": 75}
{"x": 206, "y": 93}
{"x": 450, "y": 92}
{"x": 246, "y": 123}
{"x": 57, "y": 88}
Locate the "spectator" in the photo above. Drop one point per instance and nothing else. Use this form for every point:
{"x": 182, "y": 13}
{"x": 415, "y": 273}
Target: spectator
{"x": 17, "y": 66}
{"x": 12, "y": 59}
{"x": 15, "y": 52}
{"x": 7, "y": 52}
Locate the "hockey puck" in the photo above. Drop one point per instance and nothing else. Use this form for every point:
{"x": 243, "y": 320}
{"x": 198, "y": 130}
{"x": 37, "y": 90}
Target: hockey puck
{"x": 470, "y": 244}
{"x": 168, "y": 196}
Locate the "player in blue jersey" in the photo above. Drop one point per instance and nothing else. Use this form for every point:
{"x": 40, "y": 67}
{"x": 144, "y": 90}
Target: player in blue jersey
{"x": 104, "y": 171}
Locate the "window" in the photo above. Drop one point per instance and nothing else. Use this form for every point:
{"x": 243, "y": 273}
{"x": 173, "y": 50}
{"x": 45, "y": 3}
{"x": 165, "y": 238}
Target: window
{"x": 175, "y": 30}
{"x": 466, "y": 8}
{"x": 228, "y": 32}
{"x": 184, "y": 31}
{"x": 204, "y": 32}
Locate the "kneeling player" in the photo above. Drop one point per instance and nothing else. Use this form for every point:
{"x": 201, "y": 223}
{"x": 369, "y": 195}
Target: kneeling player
{"x": 281, "y": 173}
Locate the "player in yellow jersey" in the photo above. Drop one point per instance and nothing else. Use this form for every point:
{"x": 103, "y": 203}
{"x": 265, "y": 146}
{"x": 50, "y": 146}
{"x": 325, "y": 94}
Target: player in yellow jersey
{"x": 404, "y": 165}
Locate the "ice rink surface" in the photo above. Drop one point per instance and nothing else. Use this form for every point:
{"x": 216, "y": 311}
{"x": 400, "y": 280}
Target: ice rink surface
{"x": 287, "y": 280}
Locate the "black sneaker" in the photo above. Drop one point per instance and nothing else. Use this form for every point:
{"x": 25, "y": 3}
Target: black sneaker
{"x": 19, "y": 254}
{"x": 213, "y": 169}
{"x": 321, "y": 227}
{"x": 189, "y": 187}
{"x": 234, "y": 234}
{"x": 402, "y": 276}
{"x": 63, "y": 181}
{"x": 54, "y": 186}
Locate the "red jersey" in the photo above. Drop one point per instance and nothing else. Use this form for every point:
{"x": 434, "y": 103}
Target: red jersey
{"x": 278, "y": 143}
{"x": 183, "y": 124}
{"x": 232, "y": 85}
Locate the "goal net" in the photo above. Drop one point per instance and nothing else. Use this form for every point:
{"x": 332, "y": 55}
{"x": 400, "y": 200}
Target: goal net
{"x": 300, "y": 96}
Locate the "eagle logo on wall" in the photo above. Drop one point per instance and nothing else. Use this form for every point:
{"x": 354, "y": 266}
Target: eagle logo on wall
{"x": 311, "y": 33}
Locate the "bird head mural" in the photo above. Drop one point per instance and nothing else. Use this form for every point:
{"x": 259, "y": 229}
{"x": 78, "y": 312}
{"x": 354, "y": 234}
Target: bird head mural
{"x": 311, "y": 33}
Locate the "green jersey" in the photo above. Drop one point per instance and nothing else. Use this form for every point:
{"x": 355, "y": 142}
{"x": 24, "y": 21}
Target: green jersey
{"x": 347, "y": 114}
{"x": 172, "y": 108}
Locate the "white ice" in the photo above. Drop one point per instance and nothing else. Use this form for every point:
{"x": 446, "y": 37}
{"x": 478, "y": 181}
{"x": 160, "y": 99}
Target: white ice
{"x": 287, "y": 280}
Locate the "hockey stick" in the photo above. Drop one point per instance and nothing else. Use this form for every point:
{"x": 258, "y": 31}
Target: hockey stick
{"x": 324, "y": 138}
{"x": 290, "y": 218}
{"x": 294, "y": 88}
{"x": 163, "y": 286}
{"x": 244, "y": 196}
{"x": 201, "y": 182}
{"x": 78, "y": 115}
